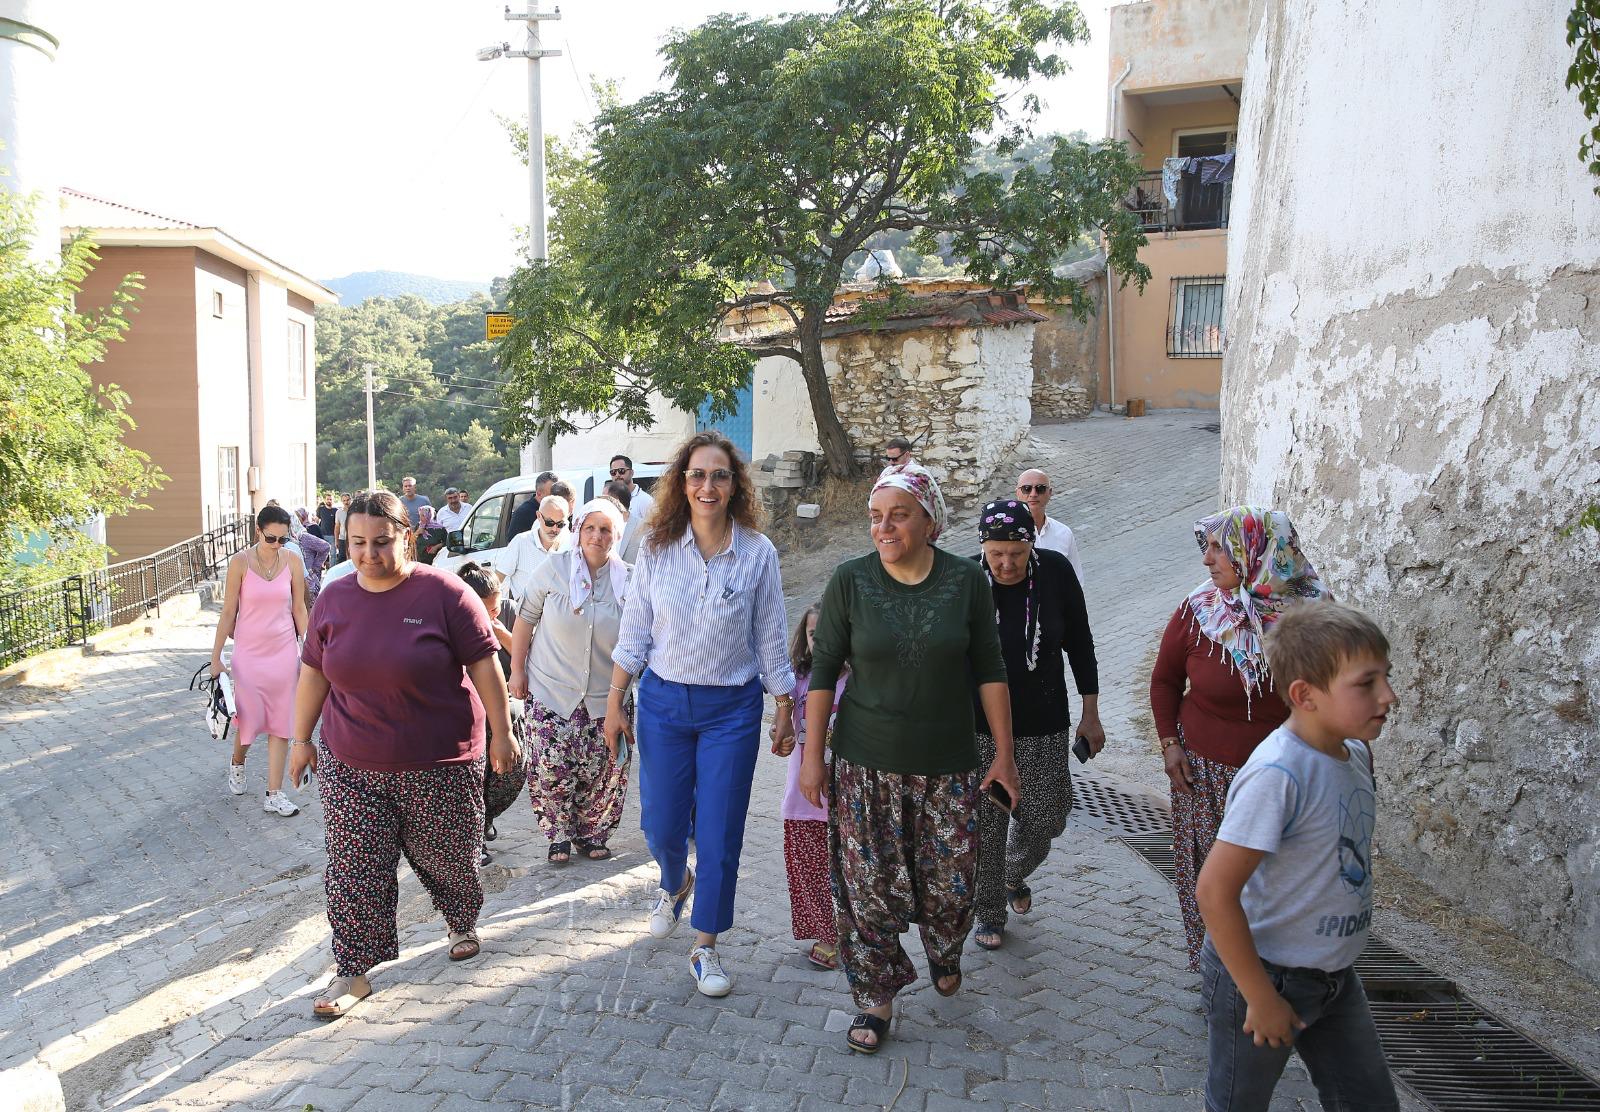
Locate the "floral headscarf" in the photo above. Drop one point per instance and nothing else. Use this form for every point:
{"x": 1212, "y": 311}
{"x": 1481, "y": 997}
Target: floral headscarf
{"x": 1274, "y": 574}
{"x": 915, "y": 480}
{"x": 1010, "y": 520}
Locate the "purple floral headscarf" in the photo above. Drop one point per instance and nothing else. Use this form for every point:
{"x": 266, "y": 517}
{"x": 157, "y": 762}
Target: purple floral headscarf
{"x": 915, "y": 480}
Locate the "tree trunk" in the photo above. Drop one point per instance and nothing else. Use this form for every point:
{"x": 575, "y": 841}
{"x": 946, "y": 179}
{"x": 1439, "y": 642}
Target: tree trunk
{"x": 836, "y": 446}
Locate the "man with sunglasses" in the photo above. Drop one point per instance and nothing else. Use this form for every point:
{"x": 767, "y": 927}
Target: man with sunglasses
{"x": 1033, "y": 489}
{"x": 528, "y": 550}
{"x": 897, "y": 452}
{"x": 639, "y": 505}
{"x": 527, "y": 511}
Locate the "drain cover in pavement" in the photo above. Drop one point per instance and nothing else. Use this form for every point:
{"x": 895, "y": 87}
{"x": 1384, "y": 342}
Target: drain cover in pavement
{"x": 1101, "y": 805}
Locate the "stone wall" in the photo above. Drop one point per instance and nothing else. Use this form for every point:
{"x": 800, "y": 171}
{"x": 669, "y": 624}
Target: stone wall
{"x": 961, "y": 395}
{"x": 1412, "y": 377}
{"x": 1067, "y": 352}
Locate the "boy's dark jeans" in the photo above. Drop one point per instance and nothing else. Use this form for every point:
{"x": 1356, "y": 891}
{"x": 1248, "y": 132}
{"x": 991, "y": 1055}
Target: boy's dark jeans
{"x": 1339, "y": 1044}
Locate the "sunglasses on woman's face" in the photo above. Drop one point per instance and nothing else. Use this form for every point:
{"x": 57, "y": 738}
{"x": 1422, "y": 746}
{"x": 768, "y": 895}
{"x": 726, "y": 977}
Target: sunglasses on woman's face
{"x": 548, "y": 524}
{"x": 1029, "y": 488}
{"x": 275, "y": 538}
{"x": 697, "y": 476}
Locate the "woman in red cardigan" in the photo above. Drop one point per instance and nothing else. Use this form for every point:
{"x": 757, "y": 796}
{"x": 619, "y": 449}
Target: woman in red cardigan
{"x": 1211, "y": 692}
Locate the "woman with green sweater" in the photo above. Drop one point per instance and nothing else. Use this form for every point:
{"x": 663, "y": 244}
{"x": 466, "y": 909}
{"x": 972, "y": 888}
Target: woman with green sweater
{"x": 916, "y": 626}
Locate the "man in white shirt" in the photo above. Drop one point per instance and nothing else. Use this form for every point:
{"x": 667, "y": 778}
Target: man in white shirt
{"x": 1033, "y": 489}
{"x": 454, "y": 513}
{"x": 527, "y": 551}
{"x": 639, "y": 505}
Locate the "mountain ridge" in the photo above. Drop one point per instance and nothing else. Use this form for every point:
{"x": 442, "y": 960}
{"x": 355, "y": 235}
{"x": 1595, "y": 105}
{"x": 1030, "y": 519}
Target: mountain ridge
{"x": 357, "y": 287}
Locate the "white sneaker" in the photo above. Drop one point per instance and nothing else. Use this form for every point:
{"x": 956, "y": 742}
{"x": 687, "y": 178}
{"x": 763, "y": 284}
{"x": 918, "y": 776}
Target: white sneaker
{"x": 708, "y": 975}
{"x": 236, "y": 779}
{"x": 668, "y": 911}
{"x": 277, "y": 803}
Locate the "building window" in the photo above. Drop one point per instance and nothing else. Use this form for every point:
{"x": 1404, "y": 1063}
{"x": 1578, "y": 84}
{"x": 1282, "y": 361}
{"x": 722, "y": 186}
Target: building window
{"x": 1194, "y": 318}
{"x": 216, "y": 303}
{"x": 227, "y": 482}
{"x": 297, "y": 359}
{"x": 298, "y": 454}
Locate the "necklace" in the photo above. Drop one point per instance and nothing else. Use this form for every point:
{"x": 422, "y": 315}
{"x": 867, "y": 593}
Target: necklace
{"x": 722, "y": 542}
{"x": 277, "y": 562}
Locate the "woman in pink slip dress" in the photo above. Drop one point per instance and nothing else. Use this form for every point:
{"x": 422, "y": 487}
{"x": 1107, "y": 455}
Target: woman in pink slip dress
{"x": 264, "y": 610}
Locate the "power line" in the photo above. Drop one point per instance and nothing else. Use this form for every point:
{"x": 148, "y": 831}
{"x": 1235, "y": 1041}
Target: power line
{"x": 437, "y": 382}
{"x": 446, "y": 401}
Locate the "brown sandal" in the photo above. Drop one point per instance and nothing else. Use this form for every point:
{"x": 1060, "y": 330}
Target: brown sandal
{"x": 464, "y": 939}
{"x": 343, "y": 994}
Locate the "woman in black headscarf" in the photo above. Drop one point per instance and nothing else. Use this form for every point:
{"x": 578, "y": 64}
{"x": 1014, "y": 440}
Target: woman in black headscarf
{"x": 1041, "y": 613}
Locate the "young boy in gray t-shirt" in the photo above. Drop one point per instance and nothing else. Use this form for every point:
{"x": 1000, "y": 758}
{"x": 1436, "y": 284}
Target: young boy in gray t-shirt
{"x": 1286, "y": 891}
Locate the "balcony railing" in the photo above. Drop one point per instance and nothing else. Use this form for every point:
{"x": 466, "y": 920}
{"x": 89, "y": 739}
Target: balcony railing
{"x": 1199, "y": 206}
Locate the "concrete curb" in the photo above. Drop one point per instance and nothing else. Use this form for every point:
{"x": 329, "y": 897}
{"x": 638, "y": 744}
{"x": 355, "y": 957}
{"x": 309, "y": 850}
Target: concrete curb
{"x": 55, "y": 667}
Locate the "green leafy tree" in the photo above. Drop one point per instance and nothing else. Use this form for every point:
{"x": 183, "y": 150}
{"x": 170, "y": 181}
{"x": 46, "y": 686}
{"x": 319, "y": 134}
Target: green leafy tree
{"x": 781, "y": 149}
{"x": 437, "y": 401}
{"x": 62, "y": 457}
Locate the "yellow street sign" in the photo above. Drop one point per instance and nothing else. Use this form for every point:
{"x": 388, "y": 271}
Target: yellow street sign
{"x": 496, "y": 325}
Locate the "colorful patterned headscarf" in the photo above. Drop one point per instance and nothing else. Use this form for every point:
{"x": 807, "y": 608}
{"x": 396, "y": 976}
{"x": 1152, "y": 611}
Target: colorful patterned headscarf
{"x": 1006, "y": 519}
{"x": 915, "y": 480}
{"x": 1010, "y": 520}
{"x": 1273, "y": 575}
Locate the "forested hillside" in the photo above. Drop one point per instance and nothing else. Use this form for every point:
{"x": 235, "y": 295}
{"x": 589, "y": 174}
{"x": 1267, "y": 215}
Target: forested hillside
{"x": 355, "y": 288}
{"x": 436, "y": 400}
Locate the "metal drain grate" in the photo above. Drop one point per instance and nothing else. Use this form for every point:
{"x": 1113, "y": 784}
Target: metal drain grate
{"x": 1112, "y": 809}
{"x": 1458, "y": 1057}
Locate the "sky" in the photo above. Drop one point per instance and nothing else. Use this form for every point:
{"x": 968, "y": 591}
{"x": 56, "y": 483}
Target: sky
{"x": 339, "y": 136}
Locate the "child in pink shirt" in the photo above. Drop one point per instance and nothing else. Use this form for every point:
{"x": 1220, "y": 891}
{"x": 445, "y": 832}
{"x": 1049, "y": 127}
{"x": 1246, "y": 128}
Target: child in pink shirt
{"x": 805, "y": 827}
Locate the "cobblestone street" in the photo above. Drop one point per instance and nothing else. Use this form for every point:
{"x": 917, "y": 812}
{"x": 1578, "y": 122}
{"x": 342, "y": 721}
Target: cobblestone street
{"x": 161, "y": 940}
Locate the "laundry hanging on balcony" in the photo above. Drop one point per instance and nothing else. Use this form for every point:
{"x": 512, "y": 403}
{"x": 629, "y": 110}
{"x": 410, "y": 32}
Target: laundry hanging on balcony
{"x": 1215, "y": 168}
{"x": 1171, "y": 170}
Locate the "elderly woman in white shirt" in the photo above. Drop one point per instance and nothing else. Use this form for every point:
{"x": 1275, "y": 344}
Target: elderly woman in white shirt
{"x": 561, "y": 645}
{"x": 528, "y": 551}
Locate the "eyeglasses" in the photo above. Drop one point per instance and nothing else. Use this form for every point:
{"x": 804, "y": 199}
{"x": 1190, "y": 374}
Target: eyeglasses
{"x": 270, "y": 539}
{"x": 548, "y": 524}
{"x": 894, "y": 458}
{"x": 697, "y": 476}
{"x": 618, "y": 472}
{"x": 1029, "y": 488}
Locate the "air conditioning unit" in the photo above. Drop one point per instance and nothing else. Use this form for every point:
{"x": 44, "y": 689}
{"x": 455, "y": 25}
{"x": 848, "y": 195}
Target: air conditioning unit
{"x": 253, "y": 479}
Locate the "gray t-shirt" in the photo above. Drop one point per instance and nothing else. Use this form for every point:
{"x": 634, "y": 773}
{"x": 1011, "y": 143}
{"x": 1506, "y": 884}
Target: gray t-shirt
{"x": 413, "y": 504}
{"x": 1309, "y": 902}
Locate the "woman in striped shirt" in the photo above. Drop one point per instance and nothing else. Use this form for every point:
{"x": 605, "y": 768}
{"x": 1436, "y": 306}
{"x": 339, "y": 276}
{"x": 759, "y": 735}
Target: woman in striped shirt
{"x": 703, "y": 628}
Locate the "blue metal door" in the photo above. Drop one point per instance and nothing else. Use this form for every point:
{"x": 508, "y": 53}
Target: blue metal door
{"x": 739, "y": 428}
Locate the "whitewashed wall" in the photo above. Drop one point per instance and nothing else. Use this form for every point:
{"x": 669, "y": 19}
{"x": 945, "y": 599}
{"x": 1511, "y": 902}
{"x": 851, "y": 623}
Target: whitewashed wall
{"x": 1414, "y": 298}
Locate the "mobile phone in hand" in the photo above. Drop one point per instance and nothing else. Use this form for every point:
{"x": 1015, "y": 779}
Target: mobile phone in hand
{"x": 998, "y": 794}
{"x": 1081, "y": 750}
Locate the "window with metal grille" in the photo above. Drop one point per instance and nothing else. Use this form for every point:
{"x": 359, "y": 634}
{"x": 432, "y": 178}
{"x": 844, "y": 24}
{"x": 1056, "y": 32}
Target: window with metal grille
{"x": 1194, "y": 318}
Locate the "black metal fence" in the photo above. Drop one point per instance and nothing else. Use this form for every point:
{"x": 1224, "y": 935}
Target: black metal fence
{"x": 69, "y": 611}
{"x": 1197, "y": 205}
{"x": 1194, "y": 318}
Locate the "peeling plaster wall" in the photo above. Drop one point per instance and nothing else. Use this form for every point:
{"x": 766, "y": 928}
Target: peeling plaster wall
{"x": 1416, "y": 332}
{"x": 1067, "y": 354}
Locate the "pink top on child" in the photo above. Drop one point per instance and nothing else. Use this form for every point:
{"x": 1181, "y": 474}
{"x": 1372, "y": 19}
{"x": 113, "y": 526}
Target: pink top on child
{"x": 795, "y": 805}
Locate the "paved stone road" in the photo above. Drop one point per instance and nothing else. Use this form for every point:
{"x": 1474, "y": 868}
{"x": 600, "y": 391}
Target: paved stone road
{"x": 160, "y": 940}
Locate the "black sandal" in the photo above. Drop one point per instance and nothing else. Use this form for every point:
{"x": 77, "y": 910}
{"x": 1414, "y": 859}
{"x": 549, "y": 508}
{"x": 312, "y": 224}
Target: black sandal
{"x": 593, "y": 851}
{"x": 564, "y": 849}
{"x": 1021, "y": 893}
{"x": 999, "y": 937}
{"x": 866, "y": 1021}
{"x": 939, "y": 972}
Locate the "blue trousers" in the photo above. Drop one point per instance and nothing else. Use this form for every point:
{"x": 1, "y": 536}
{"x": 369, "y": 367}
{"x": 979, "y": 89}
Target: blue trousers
{"x": 697, "y": 754}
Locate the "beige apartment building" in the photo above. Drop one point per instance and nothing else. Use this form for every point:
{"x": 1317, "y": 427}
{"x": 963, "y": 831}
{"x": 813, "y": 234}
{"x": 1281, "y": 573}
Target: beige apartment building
{"x": 1176, "y": 74}
{"x": 219, "y": 364}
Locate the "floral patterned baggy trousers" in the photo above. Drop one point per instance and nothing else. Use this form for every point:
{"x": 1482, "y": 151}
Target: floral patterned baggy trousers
{"x": 577, "y": 791}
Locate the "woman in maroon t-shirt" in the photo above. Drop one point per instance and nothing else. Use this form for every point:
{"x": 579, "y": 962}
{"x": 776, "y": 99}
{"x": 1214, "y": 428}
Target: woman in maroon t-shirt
{"x": 399, "y": 663}
{"x": 1213, "y": 647}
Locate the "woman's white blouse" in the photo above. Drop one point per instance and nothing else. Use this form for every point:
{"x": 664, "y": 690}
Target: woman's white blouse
{"x": 569, "y": 659}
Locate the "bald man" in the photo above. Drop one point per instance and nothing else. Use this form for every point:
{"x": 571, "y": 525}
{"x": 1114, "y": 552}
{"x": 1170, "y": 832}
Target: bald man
{"x": 1034, "y": 489}
{"x": 527, "y": 551}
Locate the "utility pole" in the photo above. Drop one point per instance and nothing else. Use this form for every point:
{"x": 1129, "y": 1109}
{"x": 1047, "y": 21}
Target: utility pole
{"x": 372, "y": 467}
{"x": 533, "y": 51}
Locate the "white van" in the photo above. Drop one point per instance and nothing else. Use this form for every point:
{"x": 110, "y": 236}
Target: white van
{"x": 485, "y": 534}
